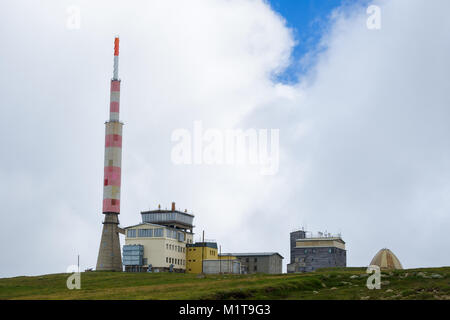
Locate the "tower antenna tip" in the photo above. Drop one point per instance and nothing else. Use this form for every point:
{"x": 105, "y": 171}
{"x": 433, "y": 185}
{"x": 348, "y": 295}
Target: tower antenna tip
{"x": 116, "y": 46}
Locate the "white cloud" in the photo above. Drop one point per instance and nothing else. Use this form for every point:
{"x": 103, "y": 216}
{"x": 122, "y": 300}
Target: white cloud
{"x": 363, "y": 137}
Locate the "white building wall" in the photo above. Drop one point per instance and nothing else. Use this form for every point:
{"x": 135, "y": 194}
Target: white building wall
{"x": 158, "y": 249}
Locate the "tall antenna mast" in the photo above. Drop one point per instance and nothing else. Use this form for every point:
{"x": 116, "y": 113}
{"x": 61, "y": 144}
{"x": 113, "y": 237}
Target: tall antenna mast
{"x": 109, "y": 256}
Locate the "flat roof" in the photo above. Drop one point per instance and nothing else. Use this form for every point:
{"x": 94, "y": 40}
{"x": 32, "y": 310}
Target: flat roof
{"x": 203, "y": 244}
{"x": 321, "y": 239}
{"x": 145, "y": 223}
{"x": 156, "y": 225}
{"x": 252, "y": 254}
{"x": 167, "y": 211}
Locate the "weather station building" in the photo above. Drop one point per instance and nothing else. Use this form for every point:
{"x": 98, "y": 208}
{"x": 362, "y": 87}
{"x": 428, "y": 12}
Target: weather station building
{"x": 159, "y": 242}
{"x": 309, "y": 253}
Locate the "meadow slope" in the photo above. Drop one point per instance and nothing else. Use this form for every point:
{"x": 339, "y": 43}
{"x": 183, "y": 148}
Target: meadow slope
{"x": 341, "y": 283}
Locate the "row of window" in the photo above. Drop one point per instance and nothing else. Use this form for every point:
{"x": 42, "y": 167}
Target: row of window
{"x": 154, "y": 233}
{"x": 175, "y": 247}
{"x": 211, "y": 252}
{"x": 168, "y": 216}
{"x": 176, "y": 261}
{"x": 247, "y": 260}
{"x": 330, "y": 250}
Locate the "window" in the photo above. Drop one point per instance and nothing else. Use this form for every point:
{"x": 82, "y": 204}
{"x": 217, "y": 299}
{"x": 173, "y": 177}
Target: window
{"x": 256, "y": 259}
{"x": 113, "y": 202}
{"x": 158, "y": 232}
{"x": 106, "y": 182}
{"x": 131, "y": 233}
{"x": 145, "y": 233}
{"x": 171, "y": 234}
{"x": 167, "y": 260}
{"x": 255, "y": 268}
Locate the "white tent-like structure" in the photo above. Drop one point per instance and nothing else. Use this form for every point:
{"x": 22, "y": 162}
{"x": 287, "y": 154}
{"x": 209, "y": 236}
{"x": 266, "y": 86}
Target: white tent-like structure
{"x": 386, "y": 259}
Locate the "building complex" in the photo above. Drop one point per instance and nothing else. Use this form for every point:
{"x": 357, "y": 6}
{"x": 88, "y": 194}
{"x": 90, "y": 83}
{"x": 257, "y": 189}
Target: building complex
{"x": 163, "y": 240}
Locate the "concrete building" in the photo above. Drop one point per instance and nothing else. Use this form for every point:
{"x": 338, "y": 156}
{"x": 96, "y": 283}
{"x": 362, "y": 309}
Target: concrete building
{"x": 219, "y": 266}
{"x": 311, "y": 253}
{"x": 159, "y": 242}
{"x": 259, "y": 262}
{"x": 109, "y": 257}
{"x": 198, "y": 252}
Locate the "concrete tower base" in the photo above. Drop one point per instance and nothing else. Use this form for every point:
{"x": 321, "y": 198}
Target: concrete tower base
{"x": 109, "y": 256}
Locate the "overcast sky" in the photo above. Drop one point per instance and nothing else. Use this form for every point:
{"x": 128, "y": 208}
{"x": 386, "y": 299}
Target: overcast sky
{"x": 364, "y": 132}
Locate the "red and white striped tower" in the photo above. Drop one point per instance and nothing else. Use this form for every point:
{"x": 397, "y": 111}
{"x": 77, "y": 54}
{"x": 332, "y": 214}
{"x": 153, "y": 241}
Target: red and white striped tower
{"x": 109, "y": 256}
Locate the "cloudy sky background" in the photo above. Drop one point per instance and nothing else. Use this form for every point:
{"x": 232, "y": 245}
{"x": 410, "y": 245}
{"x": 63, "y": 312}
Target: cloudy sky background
{"x": 363, "y": 118}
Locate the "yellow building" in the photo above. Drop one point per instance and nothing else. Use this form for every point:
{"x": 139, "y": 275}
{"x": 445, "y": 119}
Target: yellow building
{"x": 197, "y": 252}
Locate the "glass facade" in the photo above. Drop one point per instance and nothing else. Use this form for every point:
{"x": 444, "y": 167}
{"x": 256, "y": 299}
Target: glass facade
{"x": 133, "y": 255}
{"x": 155, "y": 217}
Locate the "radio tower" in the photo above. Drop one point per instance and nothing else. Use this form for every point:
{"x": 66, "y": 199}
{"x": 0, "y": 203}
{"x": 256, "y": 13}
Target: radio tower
{"x": 109, "y": 256}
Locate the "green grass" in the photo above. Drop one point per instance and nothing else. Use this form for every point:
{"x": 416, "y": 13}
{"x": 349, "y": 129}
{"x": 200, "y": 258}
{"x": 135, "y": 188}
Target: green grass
{"x": 323, "y": 284}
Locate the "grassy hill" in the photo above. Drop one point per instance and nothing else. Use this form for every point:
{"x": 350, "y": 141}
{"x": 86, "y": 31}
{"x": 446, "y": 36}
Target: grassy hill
{"x": 342, "y": 283}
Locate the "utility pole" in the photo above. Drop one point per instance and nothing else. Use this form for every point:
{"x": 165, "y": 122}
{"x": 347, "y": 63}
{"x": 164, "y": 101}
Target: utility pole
{"x": 203, "y": 248}
{"x": 78, "y": 263}
{"x": 220, "y": 259}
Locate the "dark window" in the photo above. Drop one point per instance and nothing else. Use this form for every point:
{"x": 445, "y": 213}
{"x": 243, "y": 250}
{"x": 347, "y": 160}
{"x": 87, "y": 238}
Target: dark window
{"x": 106, "y": 182}
{"x": 256, "y": 259}
{"x": 255, "y": 268}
